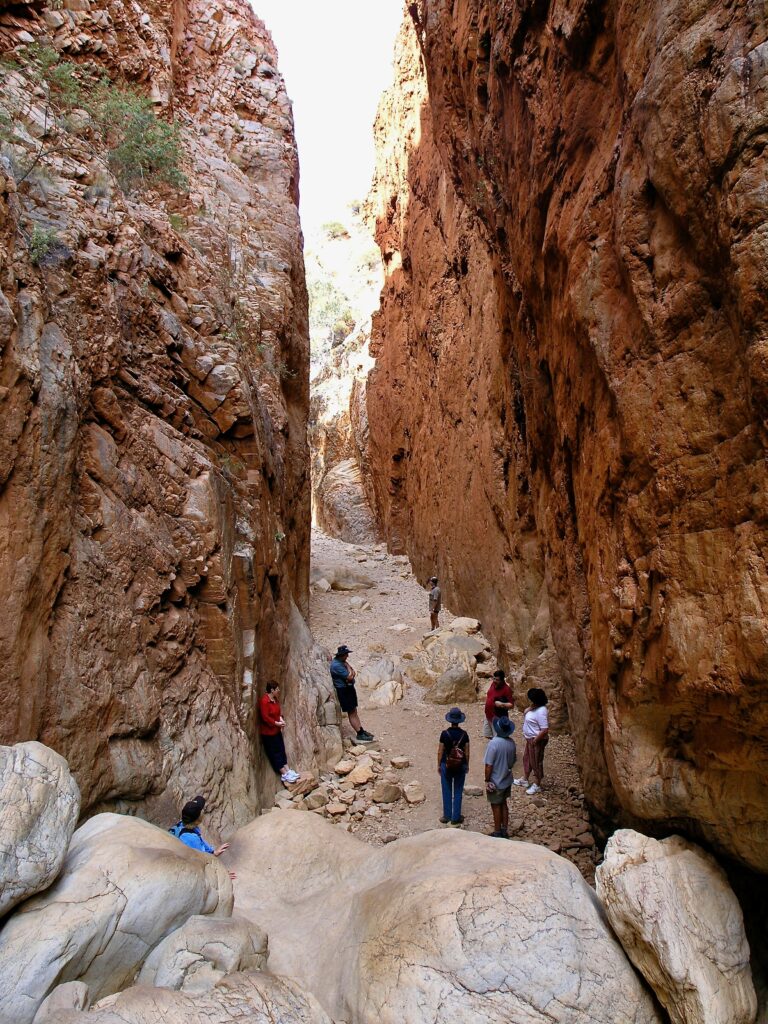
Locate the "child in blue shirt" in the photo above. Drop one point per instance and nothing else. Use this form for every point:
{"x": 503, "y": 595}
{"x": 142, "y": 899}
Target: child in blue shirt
{"x": 188, "y": 829}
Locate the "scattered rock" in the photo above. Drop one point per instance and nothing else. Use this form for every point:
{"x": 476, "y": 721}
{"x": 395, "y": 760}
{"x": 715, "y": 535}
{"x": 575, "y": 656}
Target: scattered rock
{"x": 386, "y": 792}
{"x": 414, "y": 793}
{"x": 360, "y": 775}
{"x": 400, "y": 762}
{"x": 344, "y": 767}
{"x": 335, "y": 807}
{"x": 473, "y": 790}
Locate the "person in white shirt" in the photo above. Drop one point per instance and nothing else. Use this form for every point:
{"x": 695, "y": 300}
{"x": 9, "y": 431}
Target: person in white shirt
{"x": 536, "y": 735}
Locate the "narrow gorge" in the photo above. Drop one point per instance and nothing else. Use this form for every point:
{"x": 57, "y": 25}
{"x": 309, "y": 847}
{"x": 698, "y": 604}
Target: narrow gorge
{"x": 531, "y": 362}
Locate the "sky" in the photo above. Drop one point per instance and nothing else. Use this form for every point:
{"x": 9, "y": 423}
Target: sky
{"x": 336, "y": 59}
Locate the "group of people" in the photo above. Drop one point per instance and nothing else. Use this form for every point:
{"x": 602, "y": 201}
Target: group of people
{"x": 453, "y": 752}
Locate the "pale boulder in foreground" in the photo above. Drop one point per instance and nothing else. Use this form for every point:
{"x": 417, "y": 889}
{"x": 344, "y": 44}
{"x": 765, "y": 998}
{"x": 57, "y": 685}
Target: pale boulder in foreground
{"x": 39, "y": 807}
{"x": 671, "y": 906}
{"x": 124, "y": 886}
{"x": 204, "y": 950}
{"x": 240, "y": 999}
{"x": 437, "y": 928}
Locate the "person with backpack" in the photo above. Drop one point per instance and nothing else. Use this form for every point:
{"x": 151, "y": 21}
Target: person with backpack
{"x": 188, "y": 830}
{"x": 500, "y": 756}
{"x": 452, "y": 766}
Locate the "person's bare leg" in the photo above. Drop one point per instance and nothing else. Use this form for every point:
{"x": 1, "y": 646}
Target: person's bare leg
{"x": 504, "y": 816}
{"x": 496, "y": 810}
{"x": 354, "y": 721}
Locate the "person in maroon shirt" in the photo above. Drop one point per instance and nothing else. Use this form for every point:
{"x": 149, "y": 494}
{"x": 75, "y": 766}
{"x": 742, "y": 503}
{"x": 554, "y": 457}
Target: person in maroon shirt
{"x": 271, "y": 724}
{"x": 498, "y": 702}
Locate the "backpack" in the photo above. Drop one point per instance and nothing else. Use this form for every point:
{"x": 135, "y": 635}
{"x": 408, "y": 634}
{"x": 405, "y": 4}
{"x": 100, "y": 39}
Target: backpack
{"x": 456, "y": 759}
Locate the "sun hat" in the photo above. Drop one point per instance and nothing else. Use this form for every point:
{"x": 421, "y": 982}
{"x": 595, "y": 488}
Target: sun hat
{"x": 504, "y": 726}
{"x": 455, "y": 715}
{"x": 343, "y": 650}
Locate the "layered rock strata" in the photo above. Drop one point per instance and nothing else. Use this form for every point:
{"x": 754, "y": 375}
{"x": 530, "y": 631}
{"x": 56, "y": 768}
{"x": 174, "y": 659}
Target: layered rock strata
{"x": 154, "y": 498}
{"x": 609, "y": 319}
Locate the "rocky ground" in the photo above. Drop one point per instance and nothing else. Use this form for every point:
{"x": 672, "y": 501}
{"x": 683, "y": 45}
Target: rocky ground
{"x": 395, "y": 620}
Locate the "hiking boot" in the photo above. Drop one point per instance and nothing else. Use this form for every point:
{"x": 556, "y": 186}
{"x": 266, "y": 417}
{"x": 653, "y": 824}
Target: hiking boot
{"x": 364, "y": 737}
{"x": 497, "y": 835}
{"x": 444, "y": 820}
{"x": 456, "y": 824}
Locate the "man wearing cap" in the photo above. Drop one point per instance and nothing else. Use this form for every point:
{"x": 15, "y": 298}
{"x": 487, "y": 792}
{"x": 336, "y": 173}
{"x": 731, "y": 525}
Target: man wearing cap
{"x": 500, "y": 756}
{"x": 188, "y": 829}
{"x": 435, "y": 602}
{"x": 343, "y": 676}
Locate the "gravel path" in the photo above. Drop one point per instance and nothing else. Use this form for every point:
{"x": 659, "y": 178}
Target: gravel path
{"x": 556, "y": 818}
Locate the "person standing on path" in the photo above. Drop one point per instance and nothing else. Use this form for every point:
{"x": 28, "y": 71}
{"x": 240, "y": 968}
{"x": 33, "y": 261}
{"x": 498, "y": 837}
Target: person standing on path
{"x": 536, "y": 734}
{"x": 343, "y": 676}
{"x": 435, "y": 603}
{"x": 452, "y": 766}
{"x": 499, "y": 702}
{"x": 271, "y": 725}
{"x": 500, "y": 756}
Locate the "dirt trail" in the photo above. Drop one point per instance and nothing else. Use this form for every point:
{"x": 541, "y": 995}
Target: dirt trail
{"x": 556, "y": 818}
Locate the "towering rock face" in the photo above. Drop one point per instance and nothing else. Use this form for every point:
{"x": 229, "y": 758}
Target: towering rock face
{"x": 154, "y": 502}
{"x": 610, "y": 160}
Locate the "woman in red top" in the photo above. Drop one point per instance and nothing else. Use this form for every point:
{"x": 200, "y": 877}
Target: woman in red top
{"x": 498, "y": 703}
{"x": 271, "y": 723}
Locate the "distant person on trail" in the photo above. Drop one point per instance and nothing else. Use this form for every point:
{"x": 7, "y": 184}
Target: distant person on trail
{"x": 452, "y": 766}
{"x": 536, "y": 733}
{"x": 271, "y": 725}
{"x": 435, "y": 602}
{"x": 188, "y": 829}
{"x": 499, "y": 701}
{"x": 500, "y": 756}
{"x": 343, "y": 676}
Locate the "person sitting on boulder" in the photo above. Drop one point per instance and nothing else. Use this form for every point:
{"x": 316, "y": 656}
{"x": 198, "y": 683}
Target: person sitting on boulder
{"x": 452, "y": 766}
{"x": 498, "y": 702}
{"x": 536, "y": 733}
{"x": 188, "y": 829}
{"x": 343, "y": 677}
{"x": 271, "y": 725}
{"x": 500, "y": 756}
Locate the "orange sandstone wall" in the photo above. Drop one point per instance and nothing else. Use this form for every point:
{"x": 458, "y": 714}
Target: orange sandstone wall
{"x": 588, "y": 397}
{"x": 154, "y": 500}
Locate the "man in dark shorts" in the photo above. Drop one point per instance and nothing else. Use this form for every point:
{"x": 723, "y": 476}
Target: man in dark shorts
{"x": 500, "y": 756}
{"x": 343, "y": 676}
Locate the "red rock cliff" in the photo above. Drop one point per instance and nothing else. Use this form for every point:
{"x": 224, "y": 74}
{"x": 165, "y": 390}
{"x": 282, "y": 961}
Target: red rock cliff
{"x": 600, "y": 168}
{"x": 154, "y": 502}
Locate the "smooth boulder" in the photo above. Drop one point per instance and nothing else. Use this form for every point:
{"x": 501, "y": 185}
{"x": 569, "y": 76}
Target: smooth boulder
{"x": 340, "y": 575}
{"x": 436, "y": 928}
{"x": 204, "y": 950}
{"x": 380, "y": 683}
{"x": 39, "y": 808}
{"x": 124, "y": 886}
{"x": 680, "y": 923}
{"x": 252, "y": 998}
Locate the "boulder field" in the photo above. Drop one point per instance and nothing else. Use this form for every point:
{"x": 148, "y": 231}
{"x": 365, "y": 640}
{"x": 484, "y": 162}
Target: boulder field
{"x": 316, "y": 927}
{"x": 567, "y": 411}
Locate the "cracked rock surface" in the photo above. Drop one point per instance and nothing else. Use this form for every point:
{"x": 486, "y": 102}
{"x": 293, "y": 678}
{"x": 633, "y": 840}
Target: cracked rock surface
{"x": 39, "y": 806}
{"x": 124, "y": 887}
{"x": 433, "y": 929}
{"x": 677, "y": 917}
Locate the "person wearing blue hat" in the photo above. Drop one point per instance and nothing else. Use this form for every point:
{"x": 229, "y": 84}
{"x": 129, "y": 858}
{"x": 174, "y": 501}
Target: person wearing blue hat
{"x": 500, "y": 757}
{"x": 452, "y": 766}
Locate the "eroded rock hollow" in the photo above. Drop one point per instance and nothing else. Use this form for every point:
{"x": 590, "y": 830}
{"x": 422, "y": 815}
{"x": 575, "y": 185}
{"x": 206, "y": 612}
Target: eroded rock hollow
{"x": 567, "y": 415}
{"x": 154, "y": 501}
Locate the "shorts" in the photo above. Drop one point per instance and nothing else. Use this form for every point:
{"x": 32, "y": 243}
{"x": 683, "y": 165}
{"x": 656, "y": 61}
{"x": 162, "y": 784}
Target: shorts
{"x": 499, "y": 796}
{"x": 347, "y": 698}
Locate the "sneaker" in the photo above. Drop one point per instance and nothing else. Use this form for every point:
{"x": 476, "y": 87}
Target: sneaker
{"x": 444, "y": 820}
{"x": 533, "y": 789}
{"x": 520, "y": 782}
{"x": 455, "y": 824}
{"x": 364, "y": 736}
{"x": 497, "y": 835}
{"x": 504, "y": 834}
{"x": 290, "y": 776}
